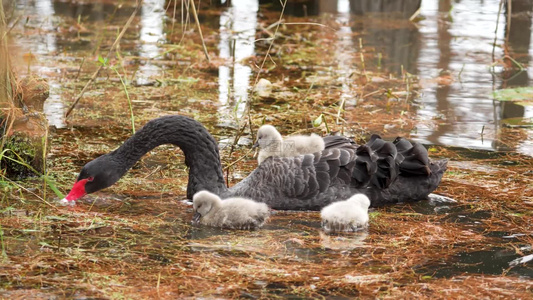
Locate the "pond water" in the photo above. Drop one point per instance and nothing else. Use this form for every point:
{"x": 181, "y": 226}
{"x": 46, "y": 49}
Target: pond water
{"x": 452, "y": 38}
{"x": 449, "y": 47}
{"x": 458, "y": 37}
{"x": 495, "y": 260}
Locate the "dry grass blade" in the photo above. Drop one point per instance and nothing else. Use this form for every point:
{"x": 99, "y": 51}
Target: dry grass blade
{"x": 195, "y": 14}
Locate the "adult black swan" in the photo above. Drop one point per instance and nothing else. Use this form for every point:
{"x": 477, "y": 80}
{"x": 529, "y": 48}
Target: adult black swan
{"x": 305, "y": 182}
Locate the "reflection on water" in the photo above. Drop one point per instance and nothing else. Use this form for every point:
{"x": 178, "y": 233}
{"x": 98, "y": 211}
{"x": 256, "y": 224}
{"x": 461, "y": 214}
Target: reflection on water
{"x": 403, "y": 8}
{"x": 345, "y": 45}
{"x": 45, "y": 43}
{"x": 88, "y": 11}
{"x": 48, "y": 41}
{"x": 450, "y": 49}
{"x": 152, "y": 16}
{"x": 41, "y": 14}
{"x": 54, "y": 107}
{"x": 458, "y": 37}
{"x": 237, "y": 36}
{"x": 396, "y": 38}
{"x": 453, "y": 40}
{"x": 494, "y": 261}
{"x": 45, "y": 46}
{"x": 343, "y": 242}
{"x": 288, "y": 231}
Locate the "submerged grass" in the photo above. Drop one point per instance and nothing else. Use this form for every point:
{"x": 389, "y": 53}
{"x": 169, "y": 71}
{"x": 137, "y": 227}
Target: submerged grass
{"x": 134, "y": 239}
{"x": 142, "y": 245}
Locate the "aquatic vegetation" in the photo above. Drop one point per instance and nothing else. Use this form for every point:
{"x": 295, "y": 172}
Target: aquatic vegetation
{"x": 135, "y": 240}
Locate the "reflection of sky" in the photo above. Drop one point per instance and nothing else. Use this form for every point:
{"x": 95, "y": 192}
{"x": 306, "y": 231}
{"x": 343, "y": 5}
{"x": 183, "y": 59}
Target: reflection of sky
{"x": 54, "y": 107}
{"x": 45, "y": 42}
{"x": 237, "y": 25}
{"x": 467, "y": 104}
{"x": 152, "y": 15}
{"x": 344, "y": 52}
{"x": 42, "y": 46}
{"x": 343, "y": 6}
{"x": 46, "y": 10}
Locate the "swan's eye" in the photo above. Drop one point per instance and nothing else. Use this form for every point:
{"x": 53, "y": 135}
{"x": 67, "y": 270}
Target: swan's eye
{"x": 90, "y": 179}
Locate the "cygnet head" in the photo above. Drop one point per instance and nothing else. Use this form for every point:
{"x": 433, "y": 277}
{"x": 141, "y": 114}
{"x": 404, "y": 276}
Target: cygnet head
{"x": 267, "y": 135}
{"x": 202, "y": 203}
{"x": 360, "y": 199}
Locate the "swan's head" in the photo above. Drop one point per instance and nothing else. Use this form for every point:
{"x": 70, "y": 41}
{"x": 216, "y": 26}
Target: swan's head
{"x": 361, "y": 200}
{"x": 202, "y": 203}
{"x": 268, "y": 136}
{"x": 97, "y": 174}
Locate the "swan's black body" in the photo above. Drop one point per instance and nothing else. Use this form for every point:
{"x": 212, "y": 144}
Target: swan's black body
{"x": 306, "y": 182}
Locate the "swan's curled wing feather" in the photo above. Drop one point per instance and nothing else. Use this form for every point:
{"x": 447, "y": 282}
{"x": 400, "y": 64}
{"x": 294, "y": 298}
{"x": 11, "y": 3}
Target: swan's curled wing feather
{"x": 416, "y": 161}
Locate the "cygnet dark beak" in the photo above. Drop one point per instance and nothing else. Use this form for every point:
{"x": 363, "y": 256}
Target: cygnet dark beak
{"x": 196, "y": 218}
{"x": 255, "y": 145}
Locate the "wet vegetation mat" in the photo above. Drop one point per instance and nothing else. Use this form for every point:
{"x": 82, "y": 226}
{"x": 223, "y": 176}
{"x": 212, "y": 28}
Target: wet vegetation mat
{"x": 135, "y": 240}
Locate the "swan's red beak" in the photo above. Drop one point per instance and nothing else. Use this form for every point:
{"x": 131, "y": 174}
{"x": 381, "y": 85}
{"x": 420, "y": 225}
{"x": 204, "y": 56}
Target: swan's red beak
{"x": 77, "y": 191}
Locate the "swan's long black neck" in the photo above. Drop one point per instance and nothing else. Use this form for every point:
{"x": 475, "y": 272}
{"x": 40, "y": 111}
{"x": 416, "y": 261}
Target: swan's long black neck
{"x": 199, "y": 147}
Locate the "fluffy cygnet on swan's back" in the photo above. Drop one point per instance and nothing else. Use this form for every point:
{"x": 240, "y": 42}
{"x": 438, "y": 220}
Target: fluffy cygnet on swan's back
{"x": 234, "y": 213}
{"x": 271, "y": 143}
{"x": 347, "y": 215}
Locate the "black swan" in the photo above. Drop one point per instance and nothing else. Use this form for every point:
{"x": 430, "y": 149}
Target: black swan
{"x": 234, "y": 213}
{"x": 347, "y": 215}
{"x": 305, "y": 182}
{"x": 271, "y": 143}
